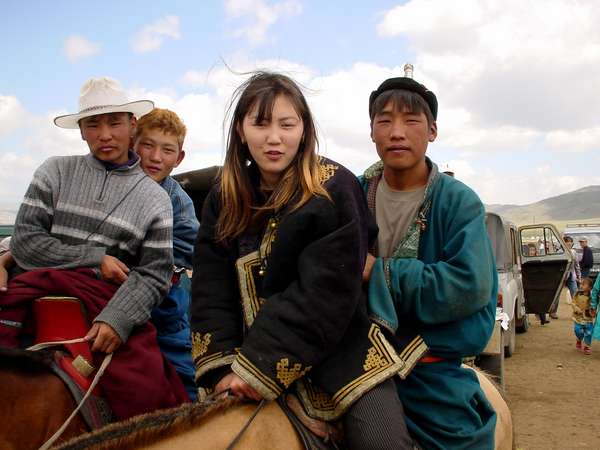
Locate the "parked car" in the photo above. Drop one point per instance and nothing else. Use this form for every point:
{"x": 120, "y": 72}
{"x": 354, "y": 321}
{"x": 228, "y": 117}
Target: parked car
{"x": 590, "y": 231}
{"x": 532, "y": 264}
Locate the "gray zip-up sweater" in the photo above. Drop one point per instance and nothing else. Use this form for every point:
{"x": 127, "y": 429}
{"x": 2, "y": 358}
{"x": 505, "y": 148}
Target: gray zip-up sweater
{"x": 63, "y": 224}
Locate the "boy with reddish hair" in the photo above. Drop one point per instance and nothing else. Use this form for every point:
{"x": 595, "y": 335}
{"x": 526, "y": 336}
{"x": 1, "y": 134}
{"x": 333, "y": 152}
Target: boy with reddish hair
{"x": 159, "y": 143}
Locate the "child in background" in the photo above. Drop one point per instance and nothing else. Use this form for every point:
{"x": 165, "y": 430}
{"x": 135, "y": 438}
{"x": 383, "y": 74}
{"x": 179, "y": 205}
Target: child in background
{"x": 583, "y": 316}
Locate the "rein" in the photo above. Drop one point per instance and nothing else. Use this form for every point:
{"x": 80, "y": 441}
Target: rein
{"x": 216, "y": 395}
{"x": 105, "y": 362}
{"x": 95, "y": 381}
{"x": 262, "y": 403}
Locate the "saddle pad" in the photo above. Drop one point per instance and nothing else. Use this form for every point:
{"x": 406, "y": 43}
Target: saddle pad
{"x": 95, "y": 411}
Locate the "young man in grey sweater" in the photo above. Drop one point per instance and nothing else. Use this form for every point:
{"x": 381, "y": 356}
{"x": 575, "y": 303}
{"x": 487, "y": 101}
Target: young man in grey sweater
{"x": 100, "y": 211}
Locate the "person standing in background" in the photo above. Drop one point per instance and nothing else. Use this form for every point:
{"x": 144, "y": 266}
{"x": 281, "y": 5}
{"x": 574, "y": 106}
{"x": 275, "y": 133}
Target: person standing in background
{"x": 587, "y": 259}
{"x": 574, "y": 277}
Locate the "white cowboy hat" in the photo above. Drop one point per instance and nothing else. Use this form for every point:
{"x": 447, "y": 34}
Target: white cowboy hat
{"x": 101, "y": 96}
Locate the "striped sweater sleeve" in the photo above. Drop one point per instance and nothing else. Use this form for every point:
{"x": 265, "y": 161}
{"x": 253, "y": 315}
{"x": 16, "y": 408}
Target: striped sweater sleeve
{"x": 32, "y": 245}
{"x": 148, "y": 282}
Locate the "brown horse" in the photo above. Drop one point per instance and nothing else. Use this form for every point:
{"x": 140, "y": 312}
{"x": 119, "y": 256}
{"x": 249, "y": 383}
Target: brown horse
{"x": 216, "y": 426}
{"x": 35, "y": 402}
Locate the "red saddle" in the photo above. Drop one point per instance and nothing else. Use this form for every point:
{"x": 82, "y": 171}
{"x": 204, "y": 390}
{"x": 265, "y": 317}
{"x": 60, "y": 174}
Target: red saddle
{"x": 62, "y": 319}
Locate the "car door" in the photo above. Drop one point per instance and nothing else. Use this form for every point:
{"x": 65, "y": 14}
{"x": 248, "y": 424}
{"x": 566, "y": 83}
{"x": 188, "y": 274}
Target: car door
{"x": 544, "y": 266}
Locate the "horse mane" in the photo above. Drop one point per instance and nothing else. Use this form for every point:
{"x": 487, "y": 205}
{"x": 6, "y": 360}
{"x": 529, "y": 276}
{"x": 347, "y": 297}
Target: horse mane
{"x": 143, "y": 430}
{"x": 25, "y": 360}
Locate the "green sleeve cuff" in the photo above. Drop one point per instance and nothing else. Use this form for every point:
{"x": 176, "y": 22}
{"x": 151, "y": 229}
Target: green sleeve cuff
{"x": 381, "y": 304}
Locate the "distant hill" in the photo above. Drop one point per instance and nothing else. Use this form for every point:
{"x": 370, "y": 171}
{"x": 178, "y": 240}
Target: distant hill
{"x": 582, "y": 205}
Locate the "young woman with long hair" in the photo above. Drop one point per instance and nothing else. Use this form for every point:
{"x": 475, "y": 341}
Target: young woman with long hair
{"x": 278, "y": 302}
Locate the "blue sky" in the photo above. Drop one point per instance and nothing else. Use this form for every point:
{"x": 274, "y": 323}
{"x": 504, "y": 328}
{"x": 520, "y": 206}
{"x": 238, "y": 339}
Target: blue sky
{"x": 519, "y": 110}
{"x": 34, "y": 33}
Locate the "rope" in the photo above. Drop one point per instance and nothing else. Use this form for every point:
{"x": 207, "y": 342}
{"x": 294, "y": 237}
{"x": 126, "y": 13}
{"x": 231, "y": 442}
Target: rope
{"x": 95, "y": 381}
{"x": 43, "y": 345}
{"x": 262, "y": 403}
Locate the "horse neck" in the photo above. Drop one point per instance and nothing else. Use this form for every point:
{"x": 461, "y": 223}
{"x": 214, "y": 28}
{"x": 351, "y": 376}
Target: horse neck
{"x": 35, "y": 404}
{"x": 270, "y": 429}
{"x": 183, "y": 428}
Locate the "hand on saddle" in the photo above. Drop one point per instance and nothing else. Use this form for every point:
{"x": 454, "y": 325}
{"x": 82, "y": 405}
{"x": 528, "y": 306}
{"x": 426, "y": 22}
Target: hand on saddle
{"x": 113, "y": 270}
{"x": 369, "y": 262}
{"x": 237, "y": 387}
{"x": 104, "y": 338}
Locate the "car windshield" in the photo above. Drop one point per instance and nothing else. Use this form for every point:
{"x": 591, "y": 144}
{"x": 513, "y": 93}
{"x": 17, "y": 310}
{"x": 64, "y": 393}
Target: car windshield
{"x": 540, "y": 241}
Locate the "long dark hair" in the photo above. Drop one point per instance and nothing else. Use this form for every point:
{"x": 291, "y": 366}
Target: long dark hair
{"x": 301, "y": 176}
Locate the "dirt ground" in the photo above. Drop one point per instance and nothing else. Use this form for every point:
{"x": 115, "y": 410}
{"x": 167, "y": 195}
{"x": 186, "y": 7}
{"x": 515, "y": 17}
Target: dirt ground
{"x": 553, "y": 389}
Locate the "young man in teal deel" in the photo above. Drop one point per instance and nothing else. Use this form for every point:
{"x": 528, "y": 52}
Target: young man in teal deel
{"x": 432, "y": 269}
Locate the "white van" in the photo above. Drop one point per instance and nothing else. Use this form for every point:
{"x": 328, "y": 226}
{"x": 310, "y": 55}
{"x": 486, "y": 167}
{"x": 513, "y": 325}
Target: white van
{"x": 532, "y": 264}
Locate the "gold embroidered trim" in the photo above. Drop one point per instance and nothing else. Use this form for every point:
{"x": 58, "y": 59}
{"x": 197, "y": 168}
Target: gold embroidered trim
{"x": 250, "y": 302}
{"x": 200, "y": 344}
{"x": 316, "y": 402}
{"x": 384, "y": 350}
{"x": 411, "y": 355}
{"x": 246, "y": 268}
{"x": 326, "y": 171}
{"x": 210, "y": 362}
{"x": 318, "y": 398}
{"x": 374, "y": 360}
{"x": 288, "y": 375}
{"x": 252, "y": 375}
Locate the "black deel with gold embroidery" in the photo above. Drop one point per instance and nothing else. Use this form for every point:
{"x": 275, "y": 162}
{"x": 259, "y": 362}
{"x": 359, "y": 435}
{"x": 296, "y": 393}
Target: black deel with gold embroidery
{"x": 303, "y": 323}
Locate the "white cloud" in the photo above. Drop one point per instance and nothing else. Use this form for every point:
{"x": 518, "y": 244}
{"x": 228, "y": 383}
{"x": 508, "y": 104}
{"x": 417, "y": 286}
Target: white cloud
{"x": 520, "y": 63}
{"x": 16, "y": 167}
{"x": 203, "y": 116}
{"x": 79, "y": 47}
{"x": 194, "y": 78}
{"x": 462, "y": 169}
{"x": 46, "y": 139}
{"x": 226, "y": 78}
{"x": 422, "y": 15}
{"x": 12, "y": 114}
{"x": 151, "y": 37}
{"x": 536, "y": 183}
{"x": 338, "y": 101}
{"x": 261, "y": 16}
{"x": 574, "y": 140}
